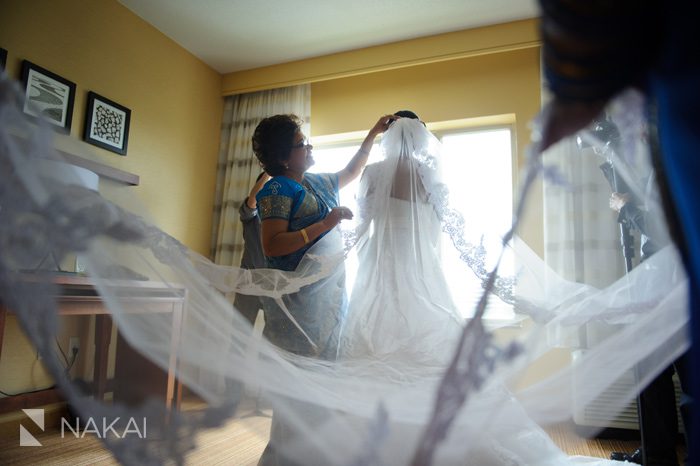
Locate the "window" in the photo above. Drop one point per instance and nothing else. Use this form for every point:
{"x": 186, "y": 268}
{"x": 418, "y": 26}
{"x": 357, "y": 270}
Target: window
{"x": 333, "y": 158}
{"x": 477, "y": 167}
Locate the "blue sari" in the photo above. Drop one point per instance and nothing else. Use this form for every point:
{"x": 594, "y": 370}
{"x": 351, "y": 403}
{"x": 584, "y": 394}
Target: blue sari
{"x": 301, "y": 204}
{"x": 319, "y": 309}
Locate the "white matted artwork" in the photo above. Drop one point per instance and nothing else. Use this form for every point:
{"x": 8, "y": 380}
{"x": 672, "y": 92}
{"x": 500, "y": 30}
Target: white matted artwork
{"x": 48, "y": 96}
{"x": 106, "y": 123}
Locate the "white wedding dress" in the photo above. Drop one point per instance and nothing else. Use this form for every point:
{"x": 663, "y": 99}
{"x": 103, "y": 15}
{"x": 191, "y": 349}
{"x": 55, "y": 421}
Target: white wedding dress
{"x": 413, "y": 384}
{"x": 400, "y": 307}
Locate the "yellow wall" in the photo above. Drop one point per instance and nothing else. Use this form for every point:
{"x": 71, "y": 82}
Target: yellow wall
{"x": 175, "y": 99}
{"x": 487, "y": 40}
{"x": 176, "y": 106}
{"x": 467, "y": 88}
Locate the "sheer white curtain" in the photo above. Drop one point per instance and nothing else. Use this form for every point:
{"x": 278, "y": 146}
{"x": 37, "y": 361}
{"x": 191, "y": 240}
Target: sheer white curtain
{"x": 583, "y": 244}
{"x": 238, "y": 168}
{"x": 581, "y": 233}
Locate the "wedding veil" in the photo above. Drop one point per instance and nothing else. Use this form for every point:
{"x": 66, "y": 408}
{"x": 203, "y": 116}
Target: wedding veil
{"x": 432, "y": 386}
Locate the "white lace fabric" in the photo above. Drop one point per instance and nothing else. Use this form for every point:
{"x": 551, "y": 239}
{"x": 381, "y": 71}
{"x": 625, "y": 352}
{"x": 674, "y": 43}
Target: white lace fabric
{"x": 412, "y": 383}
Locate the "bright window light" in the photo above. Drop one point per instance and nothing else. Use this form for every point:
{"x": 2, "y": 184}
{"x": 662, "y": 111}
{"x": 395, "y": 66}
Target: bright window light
{"x": 477, "y": 167}
{"x": 334, "y": 158}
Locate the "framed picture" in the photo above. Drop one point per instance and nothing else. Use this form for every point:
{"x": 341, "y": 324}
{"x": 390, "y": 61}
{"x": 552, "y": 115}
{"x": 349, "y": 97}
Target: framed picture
{"x": 106, "y": 124}
{"x": 47, "y": 95}
{"x": 3, "y": 58}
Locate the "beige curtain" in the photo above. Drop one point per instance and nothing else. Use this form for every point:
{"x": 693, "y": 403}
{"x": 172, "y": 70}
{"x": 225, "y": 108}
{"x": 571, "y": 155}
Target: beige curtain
{"x": 581, "y": 233}
{"x": 582, "y": 236}
{"x": 238, "y": 168}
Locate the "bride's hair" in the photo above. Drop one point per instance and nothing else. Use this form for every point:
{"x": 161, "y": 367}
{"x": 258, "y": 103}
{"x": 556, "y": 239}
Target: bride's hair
{"x": 272, "y": 141}
{"x": 408, "y": 114}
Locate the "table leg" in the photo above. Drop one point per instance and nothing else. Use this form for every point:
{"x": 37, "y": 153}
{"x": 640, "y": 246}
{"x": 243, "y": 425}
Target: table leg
{"x": 3, "y": 313}
{"x": 103, "y": 335}
{"x": 173, "y": 395}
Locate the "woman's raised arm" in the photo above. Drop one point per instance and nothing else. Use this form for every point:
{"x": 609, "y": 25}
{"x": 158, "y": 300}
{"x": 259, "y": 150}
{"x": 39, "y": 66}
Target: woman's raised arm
{"x": 353, "y": 169}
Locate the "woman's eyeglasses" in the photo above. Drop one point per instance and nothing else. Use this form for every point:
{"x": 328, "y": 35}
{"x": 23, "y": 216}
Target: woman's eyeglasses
{"x": 300, "y": 145}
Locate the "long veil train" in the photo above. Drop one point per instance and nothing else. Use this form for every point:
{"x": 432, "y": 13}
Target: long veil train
{"x": 414, "y": 383}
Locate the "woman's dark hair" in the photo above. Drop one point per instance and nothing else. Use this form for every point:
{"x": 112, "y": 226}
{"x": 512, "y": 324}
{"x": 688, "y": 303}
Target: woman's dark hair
{"x": 406, "y": 114}
{"x": 273, "y": 140}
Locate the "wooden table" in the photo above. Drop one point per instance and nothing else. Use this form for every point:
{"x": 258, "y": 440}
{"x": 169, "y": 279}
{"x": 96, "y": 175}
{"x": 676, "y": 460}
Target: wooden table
{"x": 78, "y": 296}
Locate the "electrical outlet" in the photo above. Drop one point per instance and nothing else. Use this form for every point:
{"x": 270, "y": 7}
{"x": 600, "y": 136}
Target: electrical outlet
{"x": 73, "y": 346}
{"x": 80, "y": 266}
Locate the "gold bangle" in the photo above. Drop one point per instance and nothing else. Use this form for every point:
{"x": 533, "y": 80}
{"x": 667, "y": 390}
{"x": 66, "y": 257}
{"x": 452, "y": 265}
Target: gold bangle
{"x": 304, "y": 235}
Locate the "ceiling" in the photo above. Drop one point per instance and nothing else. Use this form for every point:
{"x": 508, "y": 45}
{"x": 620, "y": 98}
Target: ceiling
{"x": 235, "y": 35}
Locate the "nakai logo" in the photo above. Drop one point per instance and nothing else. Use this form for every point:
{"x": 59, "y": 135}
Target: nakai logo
{"x": 104, "y": 428}
{"x": 25, "y": 438}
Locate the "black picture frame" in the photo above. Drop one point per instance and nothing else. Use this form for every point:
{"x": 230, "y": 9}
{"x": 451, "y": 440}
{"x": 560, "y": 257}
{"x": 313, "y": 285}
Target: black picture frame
{"x": 3, "y": 58}
{"x": 48, "y": 96}
{"x": 106, "y": 124}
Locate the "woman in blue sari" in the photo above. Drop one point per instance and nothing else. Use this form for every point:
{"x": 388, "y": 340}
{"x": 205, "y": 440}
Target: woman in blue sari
{"x": 297, "y": 209}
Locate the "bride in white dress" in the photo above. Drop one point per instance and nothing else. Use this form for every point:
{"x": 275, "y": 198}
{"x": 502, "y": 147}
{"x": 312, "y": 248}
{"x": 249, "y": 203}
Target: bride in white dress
{"x": 400, "y": 306}
{"x": 401, "y": 314}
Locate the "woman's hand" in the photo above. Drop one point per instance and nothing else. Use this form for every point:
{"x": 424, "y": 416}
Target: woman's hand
{"x": 250, "y": 200}
{"x": 277, "y": 240}
{"x": 357, "y": 163}
{"x": 383, "y": 124}
{"x": 336, "y": 215}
